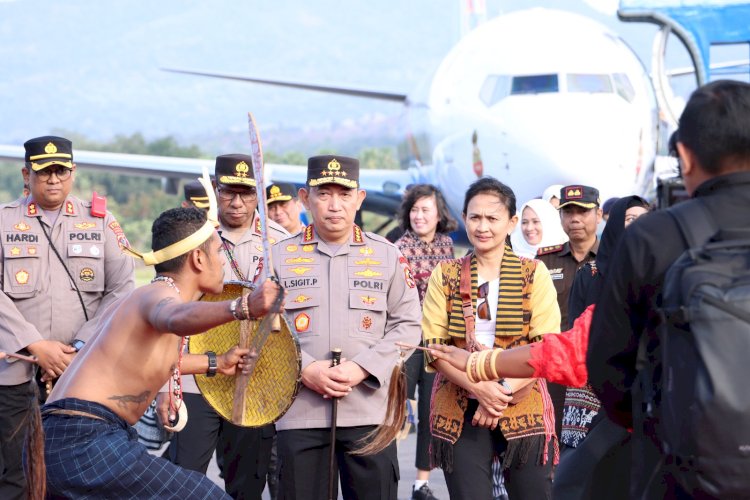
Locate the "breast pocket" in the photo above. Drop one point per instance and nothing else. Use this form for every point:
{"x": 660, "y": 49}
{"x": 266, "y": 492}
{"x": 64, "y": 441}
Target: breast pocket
{"x": 21, "y": 276}
{"x": 302, "y": 312}
{"x": 86, "y": 264}
{"x": 367, "y": 313}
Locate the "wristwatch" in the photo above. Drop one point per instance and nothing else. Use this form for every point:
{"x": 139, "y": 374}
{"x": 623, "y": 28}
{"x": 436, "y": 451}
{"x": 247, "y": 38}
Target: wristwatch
{"x": 212, "y": 366}
{"x": 78, "y": 345}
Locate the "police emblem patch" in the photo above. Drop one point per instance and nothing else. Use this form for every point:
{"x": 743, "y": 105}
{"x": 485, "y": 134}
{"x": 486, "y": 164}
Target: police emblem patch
{"x": 302, "y": 322}
{"x": 119, "y": 234}
{"x": 22, "y": 277}
{"x": 366, "y": 322}
{"x": 87, "y": 274}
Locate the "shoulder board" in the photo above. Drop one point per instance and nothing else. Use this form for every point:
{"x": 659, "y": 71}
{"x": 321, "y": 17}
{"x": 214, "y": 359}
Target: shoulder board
{"x": 288, "y": 237}
{"x": 549, "y": 250}
{"x": 377, "y": 237}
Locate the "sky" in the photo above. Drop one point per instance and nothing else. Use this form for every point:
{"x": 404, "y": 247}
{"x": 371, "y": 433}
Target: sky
{"x": 93, "y": 67}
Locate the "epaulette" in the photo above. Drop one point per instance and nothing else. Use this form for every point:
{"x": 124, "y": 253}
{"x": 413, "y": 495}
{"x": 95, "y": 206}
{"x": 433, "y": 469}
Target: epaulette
{"x": 379, "y": 238}
{"x": 549, "y": 250}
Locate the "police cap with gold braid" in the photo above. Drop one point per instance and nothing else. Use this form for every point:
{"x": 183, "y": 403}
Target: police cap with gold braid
{"x": 583, "y": 196}
{"x": 280, "y": 191}
{"x": 330, "y": 169}
{"x": 196, "y": 194}
{"x": 42, "y": 152}
{"x": 235, "y": 169}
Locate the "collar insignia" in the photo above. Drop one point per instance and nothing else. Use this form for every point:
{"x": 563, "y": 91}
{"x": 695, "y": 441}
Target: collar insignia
{"x": 69, "y": 208}
{"x": 308, "y": 234}
{"x": 358, "y": 234}
{"x": 32, "y": 210}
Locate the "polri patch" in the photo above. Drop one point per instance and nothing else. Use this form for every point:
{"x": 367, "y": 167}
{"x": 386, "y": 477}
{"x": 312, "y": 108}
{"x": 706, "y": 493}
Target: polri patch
{"x": 87, "y": 274}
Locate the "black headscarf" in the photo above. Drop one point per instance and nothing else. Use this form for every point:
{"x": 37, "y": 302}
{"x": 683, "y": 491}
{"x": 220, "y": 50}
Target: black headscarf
{"x": 614, "y": 230}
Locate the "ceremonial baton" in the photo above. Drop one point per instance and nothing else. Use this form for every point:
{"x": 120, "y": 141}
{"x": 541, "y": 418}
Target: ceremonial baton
{"x": 271, "y": 322}
{"x": 335, "y": 361}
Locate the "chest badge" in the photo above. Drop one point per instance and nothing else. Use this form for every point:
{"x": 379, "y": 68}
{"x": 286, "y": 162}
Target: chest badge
{"x": 367, "y": 262}
{"x": 366, "y": 322}
{"x": 94, "y": 250}
{"x": 85, "y": 225}
{"x": 22, "y": 277}
{"x": 368, "y": 273}
{"x": 76, "y": 249}
{"x": 31, "y": 250}
{"x": 291, "y": 248}
{"x": 15, "y": 251}
{"x": 308, "y": 248}
{"x": 366, "y": 251}
{"x": 301, "y": 299}
{"x": 87, "y": 274}
{"x": 300, "y": 270}
{"x": 302, "y": 322}
{"x": 367, "y": 300}
{"x": 299, "y": 260}
{"x": 21, "y": 226}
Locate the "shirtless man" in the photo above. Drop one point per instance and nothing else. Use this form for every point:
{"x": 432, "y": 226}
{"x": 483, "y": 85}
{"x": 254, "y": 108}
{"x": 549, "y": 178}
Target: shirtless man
{"x": 90, "y": 446}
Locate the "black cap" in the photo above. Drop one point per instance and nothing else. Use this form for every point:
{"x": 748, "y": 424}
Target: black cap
{"x": 235, "y": 169}
{"x": 607, "y": 206}
{"x": 280, "y": 191}
{"x": 195, "y": 193}
{"x": 583, "y": 196}
{"x": 329, "y": 169}
{"x": 41, "y": 152}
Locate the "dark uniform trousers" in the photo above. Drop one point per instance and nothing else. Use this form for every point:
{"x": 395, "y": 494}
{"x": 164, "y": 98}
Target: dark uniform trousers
{"x": 14, "y": 404}
{"x": 246, "y": 451}
{"x": 471, "y": 477}
{"x": 304, "y": 457}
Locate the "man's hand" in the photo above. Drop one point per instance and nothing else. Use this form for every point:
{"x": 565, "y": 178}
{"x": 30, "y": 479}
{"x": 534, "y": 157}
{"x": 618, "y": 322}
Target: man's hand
{"x": 327, "y": 380}
{"x": 351, "y": 371}
{"x": 52, "y": 356}
{"x": 262, "y": 298}
{"x": 452, "y": 354}
{"x": 235, "y": 358}
{"x": 162, "y": 407}
{"x": 482, "y": 418}
{"x": 492, "y": 396}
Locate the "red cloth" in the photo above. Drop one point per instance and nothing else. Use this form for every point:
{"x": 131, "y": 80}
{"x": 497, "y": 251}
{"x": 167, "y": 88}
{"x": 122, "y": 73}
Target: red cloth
{"x": 561, "y": 358}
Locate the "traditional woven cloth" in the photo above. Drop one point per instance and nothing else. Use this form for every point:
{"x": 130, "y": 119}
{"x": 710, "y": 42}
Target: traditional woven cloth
{"x": 423, "y": 257}
{"x": 532, "y": 418}
{"x": 581, "y": 407}
{"x": 100, "y": 457}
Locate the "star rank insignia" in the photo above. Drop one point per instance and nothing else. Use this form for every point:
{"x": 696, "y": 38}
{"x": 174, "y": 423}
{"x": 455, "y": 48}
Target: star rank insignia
{"x": 15, "y": 251}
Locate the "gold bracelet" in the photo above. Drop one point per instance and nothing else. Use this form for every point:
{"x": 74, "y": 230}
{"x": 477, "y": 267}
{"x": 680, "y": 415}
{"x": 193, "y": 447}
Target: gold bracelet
{"x": 493, "y": 364}
{"x": 470, "y": 364}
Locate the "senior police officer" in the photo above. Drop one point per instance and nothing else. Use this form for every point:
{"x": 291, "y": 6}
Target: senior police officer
{"x": 353, "y": 290}
{"x": 246, "y": 452}
{"x": 580, "y": 214}
{"x": 61, "y": 266}
{"x": 284, "y": 207}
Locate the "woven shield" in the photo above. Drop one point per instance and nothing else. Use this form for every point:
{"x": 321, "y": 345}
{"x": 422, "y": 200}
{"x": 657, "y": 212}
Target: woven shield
{"x": 273, "y": 384}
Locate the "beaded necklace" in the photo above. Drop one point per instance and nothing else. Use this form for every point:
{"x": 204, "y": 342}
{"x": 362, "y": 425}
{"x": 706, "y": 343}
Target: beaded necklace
{"x": 175, "y": 382}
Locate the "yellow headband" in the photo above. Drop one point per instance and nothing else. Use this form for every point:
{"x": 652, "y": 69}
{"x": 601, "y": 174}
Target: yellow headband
{"x": 191, "y": 242}
{"x": 176, "y": 249}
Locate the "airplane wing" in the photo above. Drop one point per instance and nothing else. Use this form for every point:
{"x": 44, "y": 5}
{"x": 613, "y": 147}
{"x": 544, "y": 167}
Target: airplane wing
{"x": 384, "y": 187}
{"x": 317, "y": 87}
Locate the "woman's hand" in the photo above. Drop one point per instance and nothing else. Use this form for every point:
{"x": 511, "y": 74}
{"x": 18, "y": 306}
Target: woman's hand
{"x": 452, "y": 354}
{"x": 492, "y": 396}
{"x": 483, "y": 418}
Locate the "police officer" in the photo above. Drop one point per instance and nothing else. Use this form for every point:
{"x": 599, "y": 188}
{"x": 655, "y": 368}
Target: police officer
{"x": 195, "y": 195}
{"x": 245, "y": 451}
{"x": 580, "y": 215}
{"x": 61, "y": 265}
{"x": 353, "y": 290}
{"x": 284, "y": 207}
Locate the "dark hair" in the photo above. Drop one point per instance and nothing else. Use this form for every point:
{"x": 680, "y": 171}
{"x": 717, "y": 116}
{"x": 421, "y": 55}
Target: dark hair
{"x": 445, "y": 225}
{"x": 172, "y": 226}
{"x": 492, "y": 186}
{"x": 715, "y": 124}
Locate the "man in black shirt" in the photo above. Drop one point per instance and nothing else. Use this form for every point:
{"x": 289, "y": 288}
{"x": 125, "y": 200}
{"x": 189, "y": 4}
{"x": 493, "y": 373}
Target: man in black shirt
{"x": 714, "y": 155}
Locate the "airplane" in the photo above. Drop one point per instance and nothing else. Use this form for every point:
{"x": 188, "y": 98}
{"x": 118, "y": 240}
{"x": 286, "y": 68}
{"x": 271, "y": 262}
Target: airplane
{"x": 533, "y": 97}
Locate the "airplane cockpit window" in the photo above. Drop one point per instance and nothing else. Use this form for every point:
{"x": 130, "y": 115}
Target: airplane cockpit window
{"x": 593, "y": 84}
{"x": 534, "y": 84}
{"x": 494, "y": 89}
{"x": 623, "y": 86}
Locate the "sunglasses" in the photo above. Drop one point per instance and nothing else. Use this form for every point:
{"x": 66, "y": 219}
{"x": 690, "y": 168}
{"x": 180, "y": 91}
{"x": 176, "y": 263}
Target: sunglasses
{"x": 483, "y": 310}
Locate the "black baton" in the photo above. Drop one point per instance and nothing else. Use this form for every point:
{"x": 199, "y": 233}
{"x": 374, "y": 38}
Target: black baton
{"x": 335, "y": 361}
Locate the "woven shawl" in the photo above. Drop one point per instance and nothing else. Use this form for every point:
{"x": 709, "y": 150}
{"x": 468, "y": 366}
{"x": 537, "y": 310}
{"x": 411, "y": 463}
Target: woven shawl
{"x": 527, "y": 426}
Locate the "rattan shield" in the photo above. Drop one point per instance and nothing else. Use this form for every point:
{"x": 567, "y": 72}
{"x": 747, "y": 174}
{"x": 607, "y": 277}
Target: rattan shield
{"x": 274, "y": 383}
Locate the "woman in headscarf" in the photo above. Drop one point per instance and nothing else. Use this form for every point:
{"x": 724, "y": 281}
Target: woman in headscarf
{"x": 490, "y": 298}
{"x": 539, "y": 227}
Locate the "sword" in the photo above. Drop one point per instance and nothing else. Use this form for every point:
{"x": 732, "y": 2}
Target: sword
{"x": 271, "y": 322}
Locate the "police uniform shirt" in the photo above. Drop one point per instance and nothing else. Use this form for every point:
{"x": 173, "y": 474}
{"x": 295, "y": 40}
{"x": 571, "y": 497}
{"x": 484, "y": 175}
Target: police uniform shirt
{"x": 562, "y": 267}
{"x": 39, "y": 301}
{"x": 359, "y": 296}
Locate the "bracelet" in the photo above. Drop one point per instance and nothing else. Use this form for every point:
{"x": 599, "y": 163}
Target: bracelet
{"x": 212, "y": 365}
{"x": 471, "y": 366}
{"x": 480, "y": 367}
{"x": 233, "y": 309}
{"x": 488, "y": 371}
{"x": 493, "y": 363}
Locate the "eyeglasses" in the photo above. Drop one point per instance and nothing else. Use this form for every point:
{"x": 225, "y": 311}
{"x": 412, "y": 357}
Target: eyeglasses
{"x": 245, "y": 196}
{"x": 62, "y": 174}
{"x": 483, "y": 310}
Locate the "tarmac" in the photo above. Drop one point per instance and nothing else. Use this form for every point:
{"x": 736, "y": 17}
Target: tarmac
{"x": 406, "y": 452}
